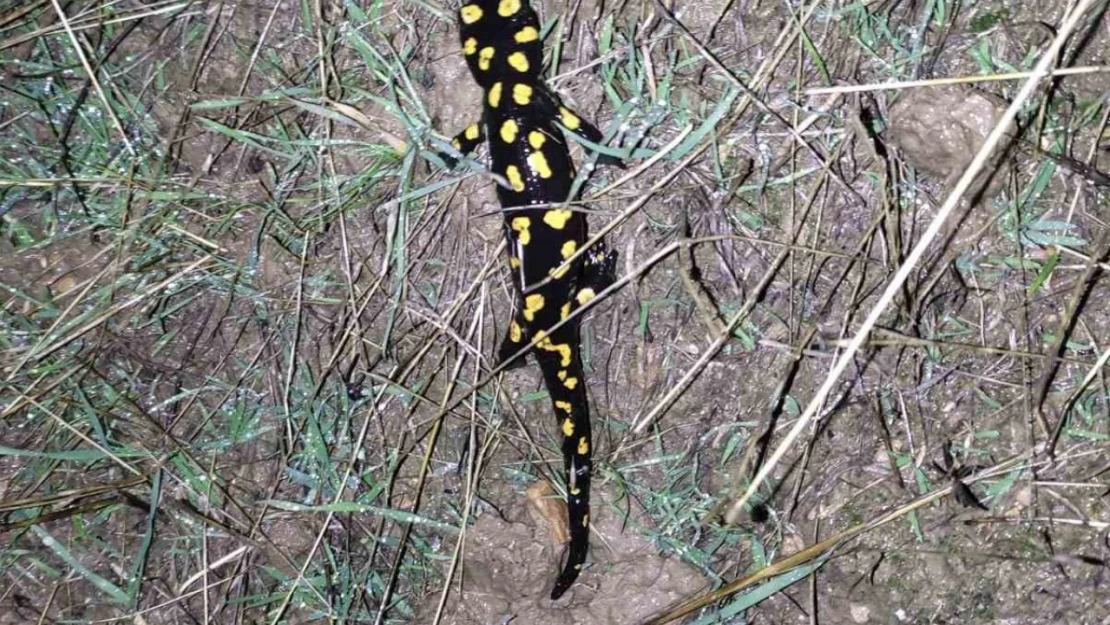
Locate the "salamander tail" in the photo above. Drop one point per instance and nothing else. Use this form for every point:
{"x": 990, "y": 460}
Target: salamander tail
{"x": 578, "y": 512}
{"x": 576, "y": 557}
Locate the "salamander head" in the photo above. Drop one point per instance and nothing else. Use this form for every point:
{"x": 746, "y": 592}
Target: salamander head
{"x": 501, "y": 41}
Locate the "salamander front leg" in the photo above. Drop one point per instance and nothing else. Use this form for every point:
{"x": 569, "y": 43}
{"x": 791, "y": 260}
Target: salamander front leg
{"x": 577, "y": 124}
{"x": 466, "y": 142}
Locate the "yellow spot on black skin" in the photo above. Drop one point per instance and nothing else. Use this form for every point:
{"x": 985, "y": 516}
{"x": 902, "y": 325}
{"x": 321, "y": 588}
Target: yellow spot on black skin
{"x": 536, "y": 139}
{"x": 586, "y": 521}
{"x": 568, "y": 425}
{"x": 518, "y": 61}
{"x": 564, "y": 312}
{"x": 564, "y": 351}
{"x": 512, "y": 172}
{"x": 586, "y": 295}
{"x": 515, "y": 333}
{"x": 509, "y": 130}
{"x": 562, "y": 375}
{"x": 570, "y": 120}
{"x": 571, "y": 383}
{"x": 583, "y": 446}
{"x": 528, "y": 34}
{"x": 522, "y": 94}
{"x": 532, "y": 305}
{"x": 508, "y": 8}
{"x": 472, "y": 132}
{"x": 540, "y": 339}
{"x": 484, "y": 57}
{"x": 470, "y": 13}
{"x": 538, "y": 163}
{"x": 569, "y": 248}
{"x": 576, "y": 491}
{"x": 494, "y": 97}
{"x": 455, "y": 144}
{"x": 521, "y": 226}
{"x": 557, "y": 218}
{"x": 470, "y": 46}
{"x": 514, "y": 262}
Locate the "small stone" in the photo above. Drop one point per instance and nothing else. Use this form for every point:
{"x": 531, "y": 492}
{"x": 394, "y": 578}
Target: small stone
{"x": 1023, "y": 499}
{"x": 860, "y": 613}
{"x": 65, "y": 285}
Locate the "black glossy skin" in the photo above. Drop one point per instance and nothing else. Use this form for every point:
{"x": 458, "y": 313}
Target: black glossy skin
{"x": 521, "y": 118}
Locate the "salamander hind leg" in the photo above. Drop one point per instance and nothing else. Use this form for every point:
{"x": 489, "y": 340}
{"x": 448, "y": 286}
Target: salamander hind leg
{"x": 515, "y": 339}
{"x": 599, "y": 269}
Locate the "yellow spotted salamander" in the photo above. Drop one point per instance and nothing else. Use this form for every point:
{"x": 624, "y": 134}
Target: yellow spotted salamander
{"x": 522, "y": 119}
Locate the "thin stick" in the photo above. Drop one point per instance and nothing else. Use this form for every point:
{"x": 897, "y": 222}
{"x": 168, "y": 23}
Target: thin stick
{"x": 955, "y": 80}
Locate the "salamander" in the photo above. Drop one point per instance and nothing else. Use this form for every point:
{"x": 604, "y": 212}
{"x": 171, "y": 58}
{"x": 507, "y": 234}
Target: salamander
{"x": 523, "y": 121}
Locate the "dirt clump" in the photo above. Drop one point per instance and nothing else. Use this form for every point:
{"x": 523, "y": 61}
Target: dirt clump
{"x": 940, "y": 129}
